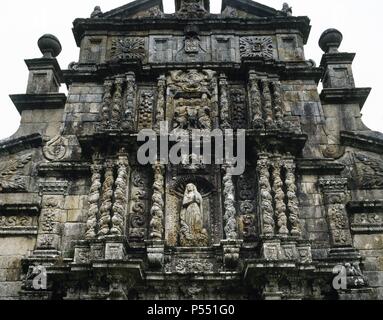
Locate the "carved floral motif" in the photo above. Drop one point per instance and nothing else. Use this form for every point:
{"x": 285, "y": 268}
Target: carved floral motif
{"x": 94, "y": 198}
{"x": 15, "y": 221}
{"x": 146, "y": 107}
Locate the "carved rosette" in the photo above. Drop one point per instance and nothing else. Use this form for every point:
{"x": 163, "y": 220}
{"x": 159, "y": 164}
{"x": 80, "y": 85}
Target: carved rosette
{"x": 335, "y": 196}
{"x": 224, "y": 103}
{"x": 120, "y": 197}
{"x": 157, "y": 211}
{"x": 94, "y": 198}
{"x": 160, "y": 110}
{"x": 106, "y": 201}
{"x": 292, "y": 199}
{"x": 231, "y": 227}
{"x": 266, "y": 197}
{"x": 279, "y": 198}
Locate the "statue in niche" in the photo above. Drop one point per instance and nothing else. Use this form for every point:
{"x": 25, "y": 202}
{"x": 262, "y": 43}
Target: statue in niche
{"x": 192, "y": 232}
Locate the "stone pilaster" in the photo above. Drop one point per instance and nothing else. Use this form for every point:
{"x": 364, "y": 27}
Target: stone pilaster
{"x": 106, "y": 200}
{"x": 335, "y": 197}
{"x": 130, "y": 100}
{"x": 224, "y": 103}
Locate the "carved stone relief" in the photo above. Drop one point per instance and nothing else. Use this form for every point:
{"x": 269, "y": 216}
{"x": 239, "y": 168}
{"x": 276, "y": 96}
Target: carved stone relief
{"x": 189, "y": 266}
{"x": 256, "y": 47}
{"x": 11, "y": 175}
{"x": 128, "y": 49}
{"x": 192, "y": 99}
{"x": 146, "y": 109}
{"x": 56, "y": 149}
{"x": 238, "y": 108}
{"x": 138, "y": 206}
{"x": 247, "y": 205}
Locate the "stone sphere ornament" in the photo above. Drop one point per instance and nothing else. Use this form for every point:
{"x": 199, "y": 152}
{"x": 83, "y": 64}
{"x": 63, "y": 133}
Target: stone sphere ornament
{"x": 330, "y": 40}
{"x": 49, "y": 46}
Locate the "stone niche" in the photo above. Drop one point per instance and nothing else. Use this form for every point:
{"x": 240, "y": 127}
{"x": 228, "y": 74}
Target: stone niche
{"x": 191, "y": 206}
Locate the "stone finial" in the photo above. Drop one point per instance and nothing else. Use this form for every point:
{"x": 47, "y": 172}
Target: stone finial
{"x": 330, "y": 40}
{"x": 96, "y": 12}
{"x": 287, "y": 9}
{"x": 49, "y": 46}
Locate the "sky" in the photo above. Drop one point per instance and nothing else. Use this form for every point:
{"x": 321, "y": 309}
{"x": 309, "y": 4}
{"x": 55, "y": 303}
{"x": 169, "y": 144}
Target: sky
{"x": 23, "y": 22}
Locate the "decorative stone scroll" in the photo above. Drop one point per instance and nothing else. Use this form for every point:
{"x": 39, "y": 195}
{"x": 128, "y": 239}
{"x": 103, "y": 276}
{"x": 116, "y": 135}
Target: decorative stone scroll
{"x": 128, "y": 49}
{"x": 256, "y": 47}
{"x": 56, "y": 148}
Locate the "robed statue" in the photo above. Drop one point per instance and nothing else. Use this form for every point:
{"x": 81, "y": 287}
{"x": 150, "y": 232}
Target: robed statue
{"x": 192, "y": 233}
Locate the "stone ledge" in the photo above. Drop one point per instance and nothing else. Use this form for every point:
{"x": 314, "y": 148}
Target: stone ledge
{"x": 345, "y": 96}
{"x": 11, "y": 146}
{"x": 38, "y": 101}
{"x": 18, "y": 231}
{"x": 362, "y": 141}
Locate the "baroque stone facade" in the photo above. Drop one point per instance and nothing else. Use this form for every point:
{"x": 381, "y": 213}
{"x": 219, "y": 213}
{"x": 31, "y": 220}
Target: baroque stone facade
{"x": 77, "y": 207}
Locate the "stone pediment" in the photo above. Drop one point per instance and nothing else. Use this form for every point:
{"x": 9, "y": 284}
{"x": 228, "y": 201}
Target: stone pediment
{"x": 248, "y": 8}
{"x": 136, "y": 9}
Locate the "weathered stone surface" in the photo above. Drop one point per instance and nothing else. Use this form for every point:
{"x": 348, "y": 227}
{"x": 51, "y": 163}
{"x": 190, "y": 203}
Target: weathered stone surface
{"x": 75, "y": 199}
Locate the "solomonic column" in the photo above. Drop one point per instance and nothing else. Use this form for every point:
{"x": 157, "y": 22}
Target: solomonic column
{"x": 156, "y": 245}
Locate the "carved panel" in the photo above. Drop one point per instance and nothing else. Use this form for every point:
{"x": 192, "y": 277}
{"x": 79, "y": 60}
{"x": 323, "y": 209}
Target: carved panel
{"x": 138, "y": 214}
{"x": 128, "y": 49}
{"x": 247, "y": 205}
{"x": 368, "y": 173}
{"x": 12, "y": 178}
{"x": 190, "y": 266}
{"x": 238, "y": 108}
{"x": 145, "y": 109}
{"x": 256, "y": 47}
